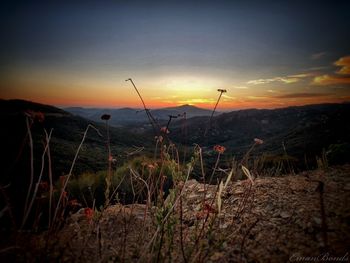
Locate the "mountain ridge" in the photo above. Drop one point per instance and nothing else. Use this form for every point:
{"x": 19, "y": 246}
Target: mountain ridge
{"x": 128, "y": 116}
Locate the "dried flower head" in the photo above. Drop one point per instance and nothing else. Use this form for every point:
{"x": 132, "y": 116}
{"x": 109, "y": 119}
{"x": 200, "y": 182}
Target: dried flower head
{"x": 258, "y": 141}
{"x": 219, "y": 149}
{"x": 105, "y": 117}
{"x": 164, "y": 130}
{"x": 43, "y": 186}
{"x": 152, "y": 166}
{"x": 111, "y": 159}
{"x": 160, "y": 138}
{"x": 89, "y": 213}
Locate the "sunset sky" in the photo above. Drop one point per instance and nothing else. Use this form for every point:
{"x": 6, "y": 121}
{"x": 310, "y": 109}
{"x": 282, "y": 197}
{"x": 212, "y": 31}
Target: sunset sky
{"x": 267, "y": 54}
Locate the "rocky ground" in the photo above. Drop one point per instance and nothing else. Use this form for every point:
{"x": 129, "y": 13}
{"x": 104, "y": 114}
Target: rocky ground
{"x": 280, "y": 219}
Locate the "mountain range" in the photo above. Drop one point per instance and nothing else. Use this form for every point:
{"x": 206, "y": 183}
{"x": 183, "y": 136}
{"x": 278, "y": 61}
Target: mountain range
{"x": 302, "y": 132}
{"x": 131, "y": 116}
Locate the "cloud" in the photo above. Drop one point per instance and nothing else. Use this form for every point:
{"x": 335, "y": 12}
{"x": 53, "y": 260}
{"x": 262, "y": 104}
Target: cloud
{"x": 197, "y": 100}
{"x": 240, "y": 87}
{"x": 344, "y": 63}
{"x": 341, "y": 76}
{"x": 285, "y": 79}
{"x": 318, "y": 55}
{"x": 301, "y": 95}
{"x": 302, "y": 75}
{"x": 227, "y": 96}
{"x": 325, "y": 80}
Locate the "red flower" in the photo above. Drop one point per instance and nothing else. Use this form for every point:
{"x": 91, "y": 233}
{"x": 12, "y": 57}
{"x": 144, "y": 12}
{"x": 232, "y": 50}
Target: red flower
{"x": 111, "y": 159}
{"x": 89, "y": 213}
{"x": 43, "y": 186}
{"x": 35, "y": 115}
{"x": 209, "y": 208}
{"x": 164, "y": 130}
{"x": 219, "y": 149}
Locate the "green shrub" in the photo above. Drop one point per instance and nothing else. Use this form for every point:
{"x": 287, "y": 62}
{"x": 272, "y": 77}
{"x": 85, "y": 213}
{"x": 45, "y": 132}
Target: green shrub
{"x": 338, "y": 153}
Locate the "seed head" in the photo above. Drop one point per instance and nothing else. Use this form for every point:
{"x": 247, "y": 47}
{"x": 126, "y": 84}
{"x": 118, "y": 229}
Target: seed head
{"x": 105, "y": 117}
{"x": 258, "y": 141}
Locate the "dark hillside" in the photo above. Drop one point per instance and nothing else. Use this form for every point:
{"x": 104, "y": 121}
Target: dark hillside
{"x": 305, "y": 130}
{"x": 67, "y": 133}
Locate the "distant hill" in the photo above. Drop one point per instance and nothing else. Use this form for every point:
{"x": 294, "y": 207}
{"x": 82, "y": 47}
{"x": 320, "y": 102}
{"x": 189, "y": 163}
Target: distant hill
{"x": 130, "y": 116}
{"x": 304, "y": 131}
{"x": 67, "y": 133}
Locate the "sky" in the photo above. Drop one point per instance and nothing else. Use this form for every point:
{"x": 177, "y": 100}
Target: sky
{"x": 266, "y": 54}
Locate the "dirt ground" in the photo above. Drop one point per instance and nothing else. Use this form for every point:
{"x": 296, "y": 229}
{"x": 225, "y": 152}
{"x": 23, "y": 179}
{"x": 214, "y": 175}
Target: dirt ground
{"x": 293, "y": 218}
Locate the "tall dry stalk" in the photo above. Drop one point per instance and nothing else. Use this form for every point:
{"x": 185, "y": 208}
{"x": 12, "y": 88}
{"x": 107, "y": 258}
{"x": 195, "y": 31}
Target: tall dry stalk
{"x": 212, "y": 113}
{"x": 48, "y": 152}
{"x": 106, "y": 117}
{"x": 31, "y": 164}
{"x": 71, "y": 169}
{"x": 150, "y": 117}
{"x": 38, "y": 182}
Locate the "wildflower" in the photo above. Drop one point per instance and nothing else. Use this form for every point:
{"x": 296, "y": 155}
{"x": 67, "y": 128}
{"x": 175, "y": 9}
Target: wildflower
{"x": 105, "y": 117}
{"x": 219, "y": 149}
{"x": 35, "y": 115}
{"x": 201, "y": 215}
{"x": 164, "y": 130}
{"x": 207, "y": 210}
{"x": 258, "y": 141}
{"x": 159, "y": 138}
{"x": 151, "y": 166}
{"x": 43, "y": 186}
{"x": 111, "y": 159}
{"x": 89, "y": 213}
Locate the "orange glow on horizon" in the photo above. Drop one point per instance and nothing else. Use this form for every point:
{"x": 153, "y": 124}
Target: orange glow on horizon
{"x": 239, "y": 103}
{"x": 167, "y": 91}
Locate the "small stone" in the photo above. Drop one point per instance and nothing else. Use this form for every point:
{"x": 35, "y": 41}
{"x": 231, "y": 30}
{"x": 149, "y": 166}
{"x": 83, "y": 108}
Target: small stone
{"x": 317, "y": 220}
{"x": 284, "y": 214}
{"x": 216, "y": 256}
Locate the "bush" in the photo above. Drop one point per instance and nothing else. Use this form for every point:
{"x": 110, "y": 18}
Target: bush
{"x": 128, "y": 183}
{"x": 338, "y": 153}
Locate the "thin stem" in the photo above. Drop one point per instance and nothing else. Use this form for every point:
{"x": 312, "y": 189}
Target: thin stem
{"x": 71, "y": 169}
{"x": 149, "y": 115}
{"x": 38, "y": 182}
{"x": 50, "y": 176}
{"x": 212, "y": 113}
{"x": 215, "y": 167}
{"x": 31, "y": 164}
{"x": 108, "y": 179}
{"x": 181, "y": 233}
